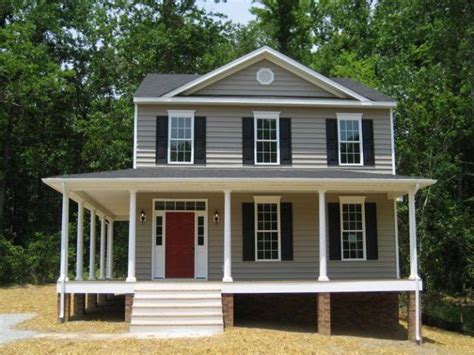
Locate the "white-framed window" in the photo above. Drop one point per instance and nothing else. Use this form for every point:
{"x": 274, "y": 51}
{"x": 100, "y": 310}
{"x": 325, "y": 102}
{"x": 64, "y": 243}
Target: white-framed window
{"x": 349, "y": 127}
{"x": 352, "y": 227}
{"x": 267, "y": 138}
{"x": 180, "y": 137}
{"x": 267, "y": 228}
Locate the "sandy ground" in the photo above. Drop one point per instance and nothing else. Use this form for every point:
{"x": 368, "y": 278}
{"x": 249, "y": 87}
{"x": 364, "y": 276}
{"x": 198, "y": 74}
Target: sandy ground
{"x": 76, "y": 336}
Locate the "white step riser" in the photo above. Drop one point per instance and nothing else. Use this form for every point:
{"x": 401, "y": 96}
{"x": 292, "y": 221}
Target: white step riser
{"x": 181, "y": 319}
{"x": 177, "y": 302}
{"x": 184, "y": 290}
{"x": 176, "y": 311}
{"x": 179, "y": 286}
{"x": 177, "y": 295}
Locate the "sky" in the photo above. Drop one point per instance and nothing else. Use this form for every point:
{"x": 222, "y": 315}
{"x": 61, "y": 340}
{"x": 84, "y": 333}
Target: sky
{"x": 236, "y": 10}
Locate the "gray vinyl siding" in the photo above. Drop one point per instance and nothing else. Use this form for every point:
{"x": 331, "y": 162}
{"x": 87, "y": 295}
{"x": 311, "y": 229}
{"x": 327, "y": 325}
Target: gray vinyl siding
{"x": 305, "y": 264}
{"x": 224, "y": 134}
{"x": 244, "y": 83}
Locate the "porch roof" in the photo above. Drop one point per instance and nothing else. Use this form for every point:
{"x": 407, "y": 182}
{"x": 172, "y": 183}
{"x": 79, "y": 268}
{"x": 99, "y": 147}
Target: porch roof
{"x": 192, "y": 172}
{"x": 108, "y": 191}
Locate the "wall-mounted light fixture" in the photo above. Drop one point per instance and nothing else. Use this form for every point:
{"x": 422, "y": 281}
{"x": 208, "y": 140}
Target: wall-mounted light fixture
{"x": 217, "y": 217}
{"x": 142, "y": 216}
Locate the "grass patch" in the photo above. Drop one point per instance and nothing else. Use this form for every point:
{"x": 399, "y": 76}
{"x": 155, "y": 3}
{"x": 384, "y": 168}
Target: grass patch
{"x": 42, "y": 300}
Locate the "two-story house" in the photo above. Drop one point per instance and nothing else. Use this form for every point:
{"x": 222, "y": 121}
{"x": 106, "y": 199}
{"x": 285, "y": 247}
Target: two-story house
{"x": 260, "y": 188}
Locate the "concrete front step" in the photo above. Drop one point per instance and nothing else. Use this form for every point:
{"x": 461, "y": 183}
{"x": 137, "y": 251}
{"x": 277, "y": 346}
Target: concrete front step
{"x": 177, "y": 322}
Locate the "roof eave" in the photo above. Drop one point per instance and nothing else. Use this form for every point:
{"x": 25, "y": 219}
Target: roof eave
{"x": 262, "y": 101}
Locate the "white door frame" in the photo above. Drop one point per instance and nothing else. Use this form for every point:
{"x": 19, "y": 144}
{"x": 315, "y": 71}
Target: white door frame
{"x": 200, "y": 251}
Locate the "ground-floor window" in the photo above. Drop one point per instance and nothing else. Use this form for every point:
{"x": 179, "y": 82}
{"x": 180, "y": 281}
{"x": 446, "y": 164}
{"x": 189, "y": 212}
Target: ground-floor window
{"x": 267, "y": 228}
{"x": 352, "y": 228}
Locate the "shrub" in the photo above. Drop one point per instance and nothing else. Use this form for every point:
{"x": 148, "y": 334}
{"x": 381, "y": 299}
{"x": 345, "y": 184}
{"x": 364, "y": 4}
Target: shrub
{"x": 43, "y": 257}
{"x": 13, "y": 265}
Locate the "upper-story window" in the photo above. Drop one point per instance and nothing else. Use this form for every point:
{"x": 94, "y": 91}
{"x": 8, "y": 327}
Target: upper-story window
{"x": 350, "y": 139}
{"x": 267, "y": 144}
{"x": 181, "y": 137}
{"x": 353, "y": 227}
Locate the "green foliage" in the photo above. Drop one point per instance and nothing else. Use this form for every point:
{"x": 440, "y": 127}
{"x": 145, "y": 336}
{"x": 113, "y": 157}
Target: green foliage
{"x": 13, "y": 262}
{"x": 68, "y": 71}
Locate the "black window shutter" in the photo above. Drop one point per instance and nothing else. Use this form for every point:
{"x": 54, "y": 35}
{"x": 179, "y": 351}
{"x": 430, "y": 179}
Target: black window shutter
{"x": 248, "y": 231}
{"x": 368, "y": 142}
{"x": 200, "y": 140}
{"x": 286, "y": 223}
{"x": 332, "y": 141}
{"x": 334, "y": 227}
{"x": 161, "y": 139}
{"x": 248, "y": 140}
{"x": 285, "y": 141}
{"x": 371, "y": 231}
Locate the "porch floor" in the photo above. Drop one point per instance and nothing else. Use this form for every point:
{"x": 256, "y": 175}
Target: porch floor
{"x": 251, "y": 286}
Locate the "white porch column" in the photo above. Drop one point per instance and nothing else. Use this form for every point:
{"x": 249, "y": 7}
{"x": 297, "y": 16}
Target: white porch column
{"x": 110, "y": 248}
{"x": 131, "y": 236}
{"x": 92, "y": 247}
{"x": 227, "y": 237}
{"x": 64, "y": 235}
{"x": 102, "y": 249}
{"x": 412, "y": 222}
{"x": 322, "y": 237}
{"x": 80, "y": 241}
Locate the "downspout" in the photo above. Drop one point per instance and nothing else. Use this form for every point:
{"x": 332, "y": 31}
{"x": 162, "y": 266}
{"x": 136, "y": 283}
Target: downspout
{"x": 417, "y": 295}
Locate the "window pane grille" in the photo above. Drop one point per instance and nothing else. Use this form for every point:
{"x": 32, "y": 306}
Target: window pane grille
{"x": 159, "y": 230}
{"x": 352, "y": 231}
{"x": 267, "y": 141}
{"x": 181, "y": 140}
{"x": 350, "y": 144}
{"x": 267, "y": 231}
{"x": 200, "y": 234}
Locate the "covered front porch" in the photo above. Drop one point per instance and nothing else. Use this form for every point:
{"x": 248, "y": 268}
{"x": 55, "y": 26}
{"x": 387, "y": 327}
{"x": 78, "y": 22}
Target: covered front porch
{"x": 214, "y": 202}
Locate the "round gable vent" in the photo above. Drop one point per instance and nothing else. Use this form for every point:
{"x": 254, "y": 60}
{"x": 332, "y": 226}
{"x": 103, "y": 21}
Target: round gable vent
{"x": 265, "y": 76}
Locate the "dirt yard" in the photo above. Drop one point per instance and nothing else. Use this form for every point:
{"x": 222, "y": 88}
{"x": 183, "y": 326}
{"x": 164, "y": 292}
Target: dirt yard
{"x": 248, "y": 339}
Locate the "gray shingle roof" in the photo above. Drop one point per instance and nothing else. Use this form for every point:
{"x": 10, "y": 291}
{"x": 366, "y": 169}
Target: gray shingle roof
{"x": 362, "y": 89}
{"x": 169, "y": 172}
{"x": 156, "y": 85}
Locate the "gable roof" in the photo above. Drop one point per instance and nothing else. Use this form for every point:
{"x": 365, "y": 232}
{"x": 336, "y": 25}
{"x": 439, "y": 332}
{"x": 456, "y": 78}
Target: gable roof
{"x": 157, "y": 85}
{"x": 279, "y": 59}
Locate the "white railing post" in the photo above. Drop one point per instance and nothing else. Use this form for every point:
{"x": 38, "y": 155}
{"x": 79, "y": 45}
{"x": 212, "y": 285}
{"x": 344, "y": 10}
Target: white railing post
{"x": 80, "y": 241}
{"x": 102, "y": 249}
{"x": 412, "y": 226}
{"x": 227, "y": 237}
{"x": 92, "y": 246}
{"x": 323, "y": 276}
{"x": 131, "y": 236}
{"x": 64, "y": 234}
{"x": 110, "y": 248}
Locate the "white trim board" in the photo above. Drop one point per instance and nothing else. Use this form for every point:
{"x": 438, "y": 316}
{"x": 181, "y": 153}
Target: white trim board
{"x": 275, "y": 57}
{"x": 262, "y": 101}
{"x": 254, "y": 287}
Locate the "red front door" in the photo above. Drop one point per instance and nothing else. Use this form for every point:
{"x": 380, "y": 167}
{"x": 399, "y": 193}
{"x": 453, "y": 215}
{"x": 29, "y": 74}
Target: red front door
{"x": 179, "y": 244}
